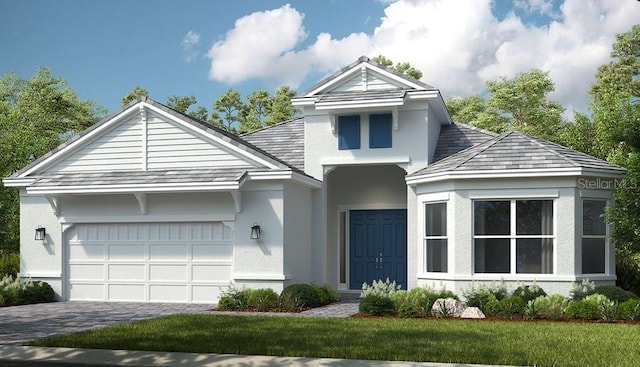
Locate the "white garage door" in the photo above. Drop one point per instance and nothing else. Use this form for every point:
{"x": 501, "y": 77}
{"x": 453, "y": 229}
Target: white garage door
{"x": 149, "y": 262}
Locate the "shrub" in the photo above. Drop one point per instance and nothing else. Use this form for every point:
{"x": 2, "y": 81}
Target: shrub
{"x": 579, "y": 291}
{"x": 9, "y": 264}
{"x": 300, "y": 296}
{"x": 583, "y": 310}
{"x": 233, "y": 299}
{"x": 485, "y": 295}
{"x": 16, "y": 292}
{"x": 1, "y": 300}
{"x": 408, "y": 310}
{"x": 37, "y": 292}
{"x": 326, "y": 293}
{"x": 381, "y": 288}
{"x": 628, "y": 272}
{"x": 630, "y": 310}
{"x": 609, "y": 311}
{"x": 511, "y": 306}
{"x": 529, "y": 292}
{"x": 614, "y": 293}
{"x": 263, "y": 299}
{"x": 375, "y": 304}
{"x": 548, "y": 307}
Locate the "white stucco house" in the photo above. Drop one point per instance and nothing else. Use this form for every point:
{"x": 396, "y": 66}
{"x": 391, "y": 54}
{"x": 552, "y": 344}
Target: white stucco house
{"x": 373, "y": 181}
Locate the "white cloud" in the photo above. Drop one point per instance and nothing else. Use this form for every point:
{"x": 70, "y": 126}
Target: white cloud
{"x": 459, "y": 45}
{"x": 189, "y": 42}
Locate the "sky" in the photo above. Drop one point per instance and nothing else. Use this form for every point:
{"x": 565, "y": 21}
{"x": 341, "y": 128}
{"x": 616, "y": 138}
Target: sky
{"x": 200, "y": 47}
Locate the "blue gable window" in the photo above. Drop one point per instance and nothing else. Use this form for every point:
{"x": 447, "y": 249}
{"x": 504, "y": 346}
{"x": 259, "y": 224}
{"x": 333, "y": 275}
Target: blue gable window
{"x": 348, "y": 132}
{"x": 380, "y": 131}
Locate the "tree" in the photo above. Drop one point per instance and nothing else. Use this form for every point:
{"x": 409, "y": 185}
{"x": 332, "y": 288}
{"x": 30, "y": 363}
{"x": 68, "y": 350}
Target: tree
{"x": 280, "y": 107}
{"x": 401, "y": 67}
{"x": 133, "y": 94}
{"x": 36, "y": 115}
{"x": 230, "y": 105}
{"x": 474, "y": 110}
{"x": 616, "y": 115}
{"x": 181, "y": 103}
{"x": 254, "y": 112}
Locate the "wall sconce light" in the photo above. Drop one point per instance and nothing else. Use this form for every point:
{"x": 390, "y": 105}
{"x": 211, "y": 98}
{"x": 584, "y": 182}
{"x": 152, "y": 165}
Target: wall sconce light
{"x": 41, "y": 233}
{"x": 255, "y": 231}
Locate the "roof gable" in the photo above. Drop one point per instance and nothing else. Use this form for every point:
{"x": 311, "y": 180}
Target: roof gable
{"x": 146, "y": 135}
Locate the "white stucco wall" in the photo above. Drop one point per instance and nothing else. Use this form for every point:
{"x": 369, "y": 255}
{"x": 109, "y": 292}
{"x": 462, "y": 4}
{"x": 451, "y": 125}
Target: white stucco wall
{"x": 297, "y": 235}
{"x": 409, "y": 142}
{"x": 459, "y": 196}
{"x": 259, "y": 263}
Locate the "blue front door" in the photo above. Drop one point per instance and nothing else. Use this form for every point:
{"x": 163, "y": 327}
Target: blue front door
{"x": 377, "y": 246}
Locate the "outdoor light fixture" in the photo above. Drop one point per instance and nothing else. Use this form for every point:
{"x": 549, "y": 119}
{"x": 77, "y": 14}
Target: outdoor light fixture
{"x": 255, "y": 231}
{"x": 40, "y": 233}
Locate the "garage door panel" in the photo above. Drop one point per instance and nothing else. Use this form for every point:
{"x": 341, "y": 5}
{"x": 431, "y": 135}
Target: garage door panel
{"x": 126, "y": 292}
{"x": 159, "y": 272}
{"x": 127, "y": 252}
{"x": 87, "y": 291}
{"x": 149, "y": 262}
{"x": 86, "y": 252}
{"x": 208, "y": 252}
{"x": 126, "y": 272}
{"x": 211, "y": 273}
{"x": 86, "y": 272}
{"x": 168, "y": 293}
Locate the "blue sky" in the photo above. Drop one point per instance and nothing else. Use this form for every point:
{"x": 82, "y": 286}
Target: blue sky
{"x": 198, "y": 47}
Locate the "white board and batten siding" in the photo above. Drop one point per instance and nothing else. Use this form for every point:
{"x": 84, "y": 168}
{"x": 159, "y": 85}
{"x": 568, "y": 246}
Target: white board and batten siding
{"x": 373, "y": 82}
{"x": 171, "y": 147}
{"x": 158, "y": 144}
{"x": 118, "y": 149}
{"x": 149, "y": 262}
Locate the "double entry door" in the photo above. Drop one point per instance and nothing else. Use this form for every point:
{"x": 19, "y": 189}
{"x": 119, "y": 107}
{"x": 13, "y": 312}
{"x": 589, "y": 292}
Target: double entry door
{"x": 377, "y": 246}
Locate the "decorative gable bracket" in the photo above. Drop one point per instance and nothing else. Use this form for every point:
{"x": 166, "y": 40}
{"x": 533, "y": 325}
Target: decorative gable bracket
{"x": 142, "y": 202}
{"x": 54, "y": 201}
{"x": 237, "y": 200}
{"x": 332, "y": 120}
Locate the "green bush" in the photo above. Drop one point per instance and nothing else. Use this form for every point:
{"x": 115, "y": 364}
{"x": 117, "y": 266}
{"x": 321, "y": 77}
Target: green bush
{"x": 548, "y": 307}
{"x": 630, "y": 310}
{"x": 628, "y": 272}
{"x": 375, "y": 304}
{"x": 529, "y": 292}
{"x": 37, "y": 292}
{"x": 409, "y": 310}
{"x": 9, "y": 264}
{"x": 381, "y": 288}
{"x": 300, "y": 296}
{"x": 511, "y": 306}
{"x": 579, "y": 291}
{"x": 13, "y": 291}
{"x": 1, "y": 300}
{"x": 614, "y": 293}
{"x": 583, "y": 310}
{"x": 485, "y": 296}
{"x": 326, "y": 293}
{"x": 263, "y": 299}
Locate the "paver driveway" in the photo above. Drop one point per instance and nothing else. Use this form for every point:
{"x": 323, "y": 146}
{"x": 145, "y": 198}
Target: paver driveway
{"x": 22, "y": 323}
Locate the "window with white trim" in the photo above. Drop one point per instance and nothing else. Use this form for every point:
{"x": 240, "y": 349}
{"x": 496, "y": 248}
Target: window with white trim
{"x": 513, "y": 236}
{"x": 594, "y": 237}
{"x": 435, "y": 239}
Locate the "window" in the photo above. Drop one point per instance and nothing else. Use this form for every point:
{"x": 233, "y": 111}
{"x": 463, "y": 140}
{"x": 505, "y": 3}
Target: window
{"x": 380, "y": 131}
{"x": 594, "y": 237}
{"x": 349, "y": 132}
{"x": 436, "y": 237}
{"x": 513, "y": 236}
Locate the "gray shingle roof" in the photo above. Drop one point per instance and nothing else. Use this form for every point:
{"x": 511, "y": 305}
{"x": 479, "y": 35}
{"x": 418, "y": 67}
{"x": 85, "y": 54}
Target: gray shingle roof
{"x": 515, "y": 150}
{"x": 457, "y": 137}
{"x": 284, "y": 141}
{"x": 140, "y": 177}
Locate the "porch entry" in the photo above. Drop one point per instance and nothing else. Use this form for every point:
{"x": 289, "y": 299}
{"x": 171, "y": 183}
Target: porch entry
{"x": 377, "y": 246}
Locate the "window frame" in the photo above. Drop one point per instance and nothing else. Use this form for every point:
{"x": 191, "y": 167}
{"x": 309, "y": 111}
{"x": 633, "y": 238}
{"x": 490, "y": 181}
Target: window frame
{"x": 604, "y": 237}
{"x": 513, "y": 237}
{"x": 427, "y": 237}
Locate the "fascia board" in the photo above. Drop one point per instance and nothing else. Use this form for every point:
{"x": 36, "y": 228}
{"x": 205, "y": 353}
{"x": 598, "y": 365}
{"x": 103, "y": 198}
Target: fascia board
{"x": 90, "y": 135}
{"x": 360, "y": 104}
{"x": 213, "y": 137}
{"x": 123, "y": 189}
{"x": 304, "y": 101}
{"x": 394, "y": 77}
{"x": 347, "y": 74}
{"x": 443, "y": 176}
{"x": 18, "y": 182}
{"x": 282, "y": 175}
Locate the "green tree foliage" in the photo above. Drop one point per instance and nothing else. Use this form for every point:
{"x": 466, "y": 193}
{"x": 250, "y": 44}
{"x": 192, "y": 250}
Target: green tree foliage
{"x": 616, "y": 116}
{"x": 181, "y": 103}
{"x": 474, "y": 110}
{"x": 133, "y": 94}
{"x": 401, "y": 67}
{"x": 255, "y": 111}
{"x": 36, "y": 115}
{"x": 229, "y": 107}
{"x": 280, "y": 108}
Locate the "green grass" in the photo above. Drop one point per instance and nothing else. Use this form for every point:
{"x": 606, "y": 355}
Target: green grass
{"x": 461, "y": 341}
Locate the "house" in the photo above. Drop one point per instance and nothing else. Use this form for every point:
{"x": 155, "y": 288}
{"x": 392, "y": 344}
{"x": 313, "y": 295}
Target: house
{"x": 374, "y": 181}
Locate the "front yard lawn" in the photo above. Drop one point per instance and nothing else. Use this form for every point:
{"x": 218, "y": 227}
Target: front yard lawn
{"x": 437, "y": 340}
